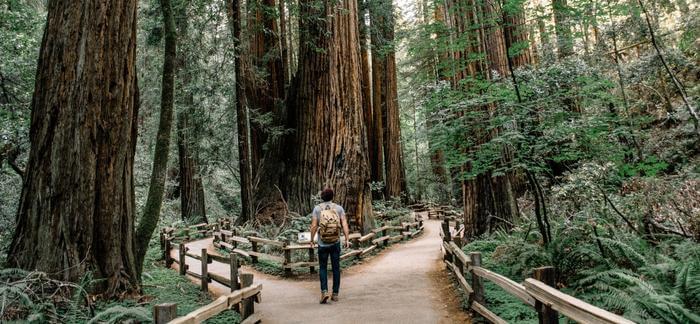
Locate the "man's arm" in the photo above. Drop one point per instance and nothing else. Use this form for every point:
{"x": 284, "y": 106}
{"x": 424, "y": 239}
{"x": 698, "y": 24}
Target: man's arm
{"x": 314, "y": 227}
{"x": 346, "y": 230}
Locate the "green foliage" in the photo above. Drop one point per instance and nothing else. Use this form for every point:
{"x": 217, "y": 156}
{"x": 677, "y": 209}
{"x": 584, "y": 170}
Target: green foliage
{"x": 119, "y": 314}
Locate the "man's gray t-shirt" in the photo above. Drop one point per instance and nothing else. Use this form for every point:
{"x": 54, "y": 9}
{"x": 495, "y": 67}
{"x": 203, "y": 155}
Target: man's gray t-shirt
{"x": 317, "y": 212}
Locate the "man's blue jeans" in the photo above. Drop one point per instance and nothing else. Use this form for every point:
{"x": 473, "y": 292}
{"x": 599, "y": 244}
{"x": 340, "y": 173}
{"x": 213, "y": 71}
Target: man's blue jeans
{"x": 334, "y": 252}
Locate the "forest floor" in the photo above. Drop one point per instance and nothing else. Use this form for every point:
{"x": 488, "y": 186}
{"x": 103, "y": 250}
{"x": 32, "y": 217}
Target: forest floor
{"x": 405, "y": 283}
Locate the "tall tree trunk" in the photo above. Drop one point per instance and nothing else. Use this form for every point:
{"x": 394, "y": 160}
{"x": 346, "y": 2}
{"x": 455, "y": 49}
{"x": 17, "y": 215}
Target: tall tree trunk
{"x": 264, "y": 87}
{"x": 562, "y": 27}
{"x": 330, "y": 149}
{"x": 437, "y": 156}
{"x": 76, "y": 211}
{"x": 377, "y": 163}
{"x": 191, "y": 186}
{"x": 384, "y": 49}
{"x": 151, "y": 213}
{"x": 192, "y": 206}
{"x": 283, "y": 43}
{"x": 547, "y": 51}
{"x": 246, "y": 173}
{"x": 372, "y": 142}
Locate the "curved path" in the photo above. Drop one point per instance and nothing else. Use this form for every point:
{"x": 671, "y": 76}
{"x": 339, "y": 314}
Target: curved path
{"x": 403, "y": 284}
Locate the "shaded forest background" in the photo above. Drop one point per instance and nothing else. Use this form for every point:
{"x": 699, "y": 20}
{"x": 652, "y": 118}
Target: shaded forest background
{"x": 566, "y": 131}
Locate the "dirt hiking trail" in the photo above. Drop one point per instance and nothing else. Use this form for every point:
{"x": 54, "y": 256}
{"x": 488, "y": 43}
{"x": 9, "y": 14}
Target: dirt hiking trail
{"x": 405, "y": 283}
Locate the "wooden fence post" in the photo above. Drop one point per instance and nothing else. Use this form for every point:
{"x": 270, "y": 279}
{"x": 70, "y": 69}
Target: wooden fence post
{"x": 254, "y": 246}
{"x": 162, "y": 240}
{"x": 163, "y": 313}
{"x": 166, "y": 253}
{"x": 446, "y": 230}
{"x": 287, "y": 258}
{"x": 234, "y": 243}
{"x": 312, "y": 258}
{"x": 205, "y": 272}
{"x": 545, "y": 313}
{"x": 247, "y": 307}
{"x": 183, "y": 264}
{"x": 386, "y": 242}
{"x": 233, "y": 264}
{"x": 477, "y": 282}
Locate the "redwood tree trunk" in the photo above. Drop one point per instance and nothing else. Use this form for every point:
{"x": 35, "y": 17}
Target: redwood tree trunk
{"x": 242, "y": 123}
{"x": 192, "y": 207}
{"x": 393, "y": 154}
{"x": 372, "y": 143}
{"x": 377, "y": 163}
{"x": 330, "y": 148}
{"x": 265, "y": 87}
{"x": 191, "y": 186}
{"x": 76, "y": 212}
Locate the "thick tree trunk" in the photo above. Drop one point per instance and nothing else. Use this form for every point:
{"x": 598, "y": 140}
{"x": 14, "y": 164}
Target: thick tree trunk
{"x": 385, "y": 95}
{"x": 76, "y": 212}
{"x": 191, "y": 186}
{"x": 192, "y": 206}
{"x": 242, "y": 123}
{"x": 264, "y": 87}
{"x": 151, "y": 213}
{"x": 377, "y": 163}
{"x": 437, "y": 155}
{"x": 330, "y": 148}
{"x": 372, "y": 142}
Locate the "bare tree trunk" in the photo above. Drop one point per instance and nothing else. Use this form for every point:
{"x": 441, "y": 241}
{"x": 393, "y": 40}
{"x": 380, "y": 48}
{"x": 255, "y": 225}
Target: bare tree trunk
{"x": 265, "y": 87}
{"x": 377, "y": 164}
{"x": 76, "y": 212}
{"x": 151, "y": 213}
{"x": 244, "y": 167}
{"x": 329, "y": 147}
{"x": 383, "y": 48}
{"x": 369, "y": 117}
{"x": 192, "y": 206}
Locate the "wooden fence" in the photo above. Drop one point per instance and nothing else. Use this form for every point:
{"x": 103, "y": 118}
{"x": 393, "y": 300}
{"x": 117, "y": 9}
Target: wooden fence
{"x": 243, "y": 292}
{"x": 538, "y": 291}
{"x": 241, "y": 300}
{"x": 252, "y": 246}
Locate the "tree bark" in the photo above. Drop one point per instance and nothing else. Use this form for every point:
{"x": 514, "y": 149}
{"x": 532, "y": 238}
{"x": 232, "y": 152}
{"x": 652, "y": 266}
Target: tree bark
{"x": 330, "y": 149}
{"x": 76, "y": 212}
{"x": 377, "y": 163}
{"x": 242, "y": 123}
{"x": 369, "y": 117}
{"x": 192, "y": 205}
{"x": 264, "y": 87}
{"x": 156, "y": 189}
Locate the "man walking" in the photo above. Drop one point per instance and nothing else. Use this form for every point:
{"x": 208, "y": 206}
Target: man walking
{"x": 328, "y": 219}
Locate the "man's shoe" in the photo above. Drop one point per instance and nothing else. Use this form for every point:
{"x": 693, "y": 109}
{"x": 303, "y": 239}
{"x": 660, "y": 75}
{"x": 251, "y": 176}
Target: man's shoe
{"x": 324, "y": 297}
{"x": 334, "y": 297}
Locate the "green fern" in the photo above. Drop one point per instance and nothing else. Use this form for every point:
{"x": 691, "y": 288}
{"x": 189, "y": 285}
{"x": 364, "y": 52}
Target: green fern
{"x": 118, "y": 314}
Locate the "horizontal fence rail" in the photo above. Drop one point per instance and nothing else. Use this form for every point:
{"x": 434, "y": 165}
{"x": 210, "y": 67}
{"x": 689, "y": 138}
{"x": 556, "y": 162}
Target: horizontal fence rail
{"x": 537, "y": 292}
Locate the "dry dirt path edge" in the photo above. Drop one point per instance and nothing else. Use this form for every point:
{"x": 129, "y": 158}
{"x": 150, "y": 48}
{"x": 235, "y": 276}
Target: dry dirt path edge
{"x": 405, "y": 283}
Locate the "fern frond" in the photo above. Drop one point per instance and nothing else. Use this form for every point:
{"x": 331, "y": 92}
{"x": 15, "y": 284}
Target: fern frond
{"x": 117, "y": 314}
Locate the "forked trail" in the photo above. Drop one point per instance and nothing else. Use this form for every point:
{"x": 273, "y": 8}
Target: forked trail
{"x": 404, "y": 284}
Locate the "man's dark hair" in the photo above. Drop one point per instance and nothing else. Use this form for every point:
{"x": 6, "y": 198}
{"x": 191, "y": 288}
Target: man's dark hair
{"x": 327, "y": 194}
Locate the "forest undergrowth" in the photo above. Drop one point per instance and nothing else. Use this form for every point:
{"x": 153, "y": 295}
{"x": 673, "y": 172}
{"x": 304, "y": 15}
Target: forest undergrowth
{"x": 643, "y": 271}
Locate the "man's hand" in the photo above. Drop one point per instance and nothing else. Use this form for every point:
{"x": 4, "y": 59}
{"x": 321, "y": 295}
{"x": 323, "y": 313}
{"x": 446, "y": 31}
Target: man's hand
{"x": 347, "y": 244}
{"x": 312, "y": 244}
